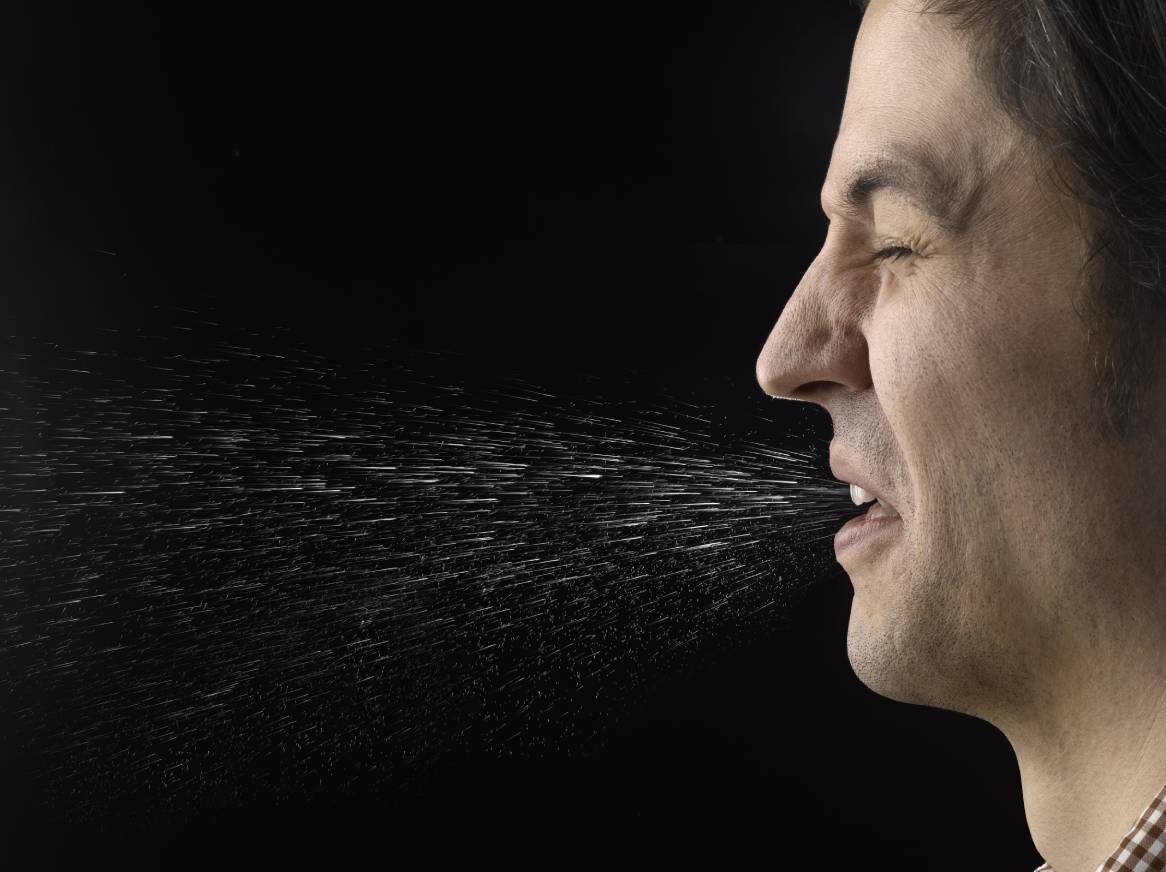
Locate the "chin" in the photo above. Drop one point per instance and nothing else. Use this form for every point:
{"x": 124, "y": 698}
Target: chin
{"x": 898, "y": 652}
{"x": 874, "y": 658}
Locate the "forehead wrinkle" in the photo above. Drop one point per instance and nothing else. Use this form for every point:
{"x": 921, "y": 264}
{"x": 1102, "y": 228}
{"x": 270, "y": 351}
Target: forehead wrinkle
{"x": 925, "y": 179}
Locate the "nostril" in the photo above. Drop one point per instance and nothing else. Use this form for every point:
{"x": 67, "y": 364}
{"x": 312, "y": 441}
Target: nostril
{"x": 811, "y": 390}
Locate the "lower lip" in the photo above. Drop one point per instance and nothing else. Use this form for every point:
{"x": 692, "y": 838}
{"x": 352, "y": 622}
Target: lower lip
{"x": 866, "y": 530}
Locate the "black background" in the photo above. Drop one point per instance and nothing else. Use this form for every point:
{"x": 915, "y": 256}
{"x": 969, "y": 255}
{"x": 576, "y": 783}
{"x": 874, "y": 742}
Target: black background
{"x": 627, "y": 191}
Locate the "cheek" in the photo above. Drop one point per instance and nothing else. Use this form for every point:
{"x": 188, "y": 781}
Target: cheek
{"x": 936, "y": 368}
{"x": 930, "y": 386}
{"x": 983, "y": 386}
{"x": 976, "y": 356}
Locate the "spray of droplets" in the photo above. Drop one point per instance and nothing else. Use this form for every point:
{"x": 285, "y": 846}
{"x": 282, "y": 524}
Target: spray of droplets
{"x": 244, "y": 570}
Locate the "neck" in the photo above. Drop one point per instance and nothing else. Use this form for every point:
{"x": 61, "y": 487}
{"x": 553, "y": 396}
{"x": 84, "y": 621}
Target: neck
{"x": 1094, "y": 755}
{"x": 1089, "y": 722}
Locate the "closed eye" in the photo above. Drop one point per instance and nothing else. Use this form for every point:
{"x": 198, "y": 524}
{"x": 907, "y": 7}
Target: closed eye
{"x": 893, "y": 252}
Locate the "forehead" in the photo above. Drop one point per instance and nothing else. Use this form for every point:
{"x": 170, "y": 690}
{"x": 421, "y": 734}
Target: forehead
{"x": 914, "y": 102}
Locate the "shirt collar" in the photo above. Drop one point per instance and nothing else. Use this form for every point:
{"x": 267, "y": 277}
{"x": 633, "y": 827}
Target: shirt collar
{"x": 1143, "y": 849}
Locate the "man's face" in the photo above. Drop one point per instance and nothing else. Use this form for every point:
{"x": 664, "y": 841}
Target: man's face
{"x": 959, "y": 381}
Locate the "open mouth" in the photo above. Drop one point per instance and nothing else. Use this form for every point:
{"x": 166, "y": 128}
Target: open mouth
{"x": 878, "y": 524}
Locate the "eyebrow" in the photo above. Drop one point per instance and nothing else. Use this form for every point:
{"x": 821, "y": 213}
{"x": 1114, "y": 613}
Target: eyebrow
{"x": 923, "y": 178}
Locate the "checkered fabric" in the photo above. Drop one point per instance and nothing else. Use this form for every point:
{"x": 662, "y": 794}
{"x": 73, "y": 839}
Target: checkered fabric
{"x": 1144, "y": 847}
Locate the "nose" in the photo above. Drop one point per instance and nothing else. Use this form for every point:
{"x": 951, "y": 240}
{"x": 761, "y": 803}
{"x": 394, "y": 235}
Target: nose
{"x": 818, "y": 346}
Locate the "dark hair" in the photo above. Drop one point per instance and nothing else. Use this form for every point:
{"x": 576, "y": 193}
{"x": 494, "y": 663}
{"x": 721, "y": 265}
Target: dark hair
{"x": 1087, "y": 78}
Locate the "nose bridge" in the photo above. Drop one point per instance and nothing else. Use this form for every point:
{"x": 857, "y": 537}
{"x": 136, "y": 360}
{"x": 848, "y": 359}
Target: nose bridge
{"x": 818, "y": 339}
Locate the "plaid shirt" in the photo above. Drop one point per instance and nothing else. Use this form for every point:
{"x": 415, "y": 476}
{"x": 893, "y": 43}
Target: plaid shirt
{"x": 1144, "y": 847}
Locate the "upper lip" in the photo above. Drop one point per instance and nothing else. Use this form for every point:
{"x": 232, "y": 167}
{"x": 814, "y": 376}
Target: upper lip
{"x": 845, "y": 470}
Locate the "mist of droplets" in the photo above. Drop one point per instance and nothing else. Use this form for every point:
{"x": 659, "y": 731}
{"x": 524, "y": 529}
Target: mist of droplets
{"x": 252, "y": 570}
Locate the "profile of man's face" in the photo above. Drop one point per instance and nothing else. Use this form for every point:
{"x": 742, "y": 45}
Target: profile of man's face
{"x": 941, "y": 327}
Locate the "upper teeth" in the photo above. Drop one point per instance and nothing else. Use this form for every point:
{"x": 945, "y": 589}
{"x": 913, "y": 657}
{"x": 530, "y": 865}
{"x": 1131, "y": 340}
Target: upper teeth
{"x": 858, "y": 496}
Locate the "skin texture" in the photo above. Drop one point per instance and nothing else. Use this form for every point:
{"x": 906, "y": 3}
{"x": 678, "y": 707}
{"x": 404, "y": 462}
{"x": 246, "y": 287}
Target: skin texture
{"x": 1023, "y": 583}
